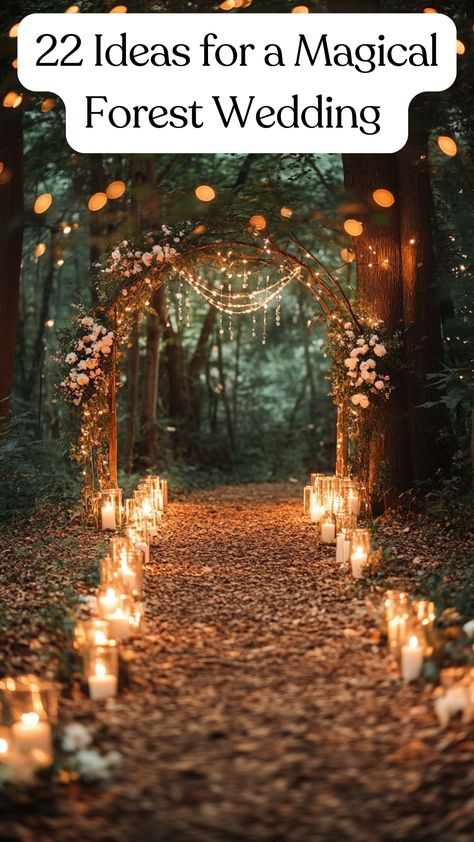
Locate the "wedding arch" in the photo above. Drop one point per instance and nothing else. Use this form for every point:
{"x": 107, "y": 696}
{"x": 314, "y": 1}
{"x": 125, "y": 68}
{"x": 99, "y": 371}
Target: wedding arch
{"x": 237, "y": 255}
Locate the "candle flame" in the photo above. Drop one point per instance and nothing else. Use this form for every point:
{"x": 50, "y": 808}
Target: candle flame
{"x": 30, "y": 718}
{"x": 3, "y": 746}
{"x": 100, "y": 670}
{"x": 413, "y": 642}
{"x": 100, "y": 637}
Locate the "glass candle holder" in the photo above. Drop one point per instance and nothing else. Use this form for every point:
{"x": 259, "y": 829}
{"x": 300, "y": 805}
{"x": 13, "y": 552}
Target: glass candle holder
{"x": 328, "y": 528}
{"x": 360, "y": 551}
{"x": 117, "y": 612}
{"x": 124, "y": 570}
{"x": 130, "y": 512}
{"x": 147, "y": 514}
{"x": 91, "y": 632}
{"x": 397, "y": 613}
{"x": 316, "y": 509}
{"x": 109, "y": 509}
{"x": 307, "y": 491}
{"x": 101, "y": 666}
{"x": 30, "y": 706}
{"x": 164, "y": 492}
{"x": 138, "y": 537}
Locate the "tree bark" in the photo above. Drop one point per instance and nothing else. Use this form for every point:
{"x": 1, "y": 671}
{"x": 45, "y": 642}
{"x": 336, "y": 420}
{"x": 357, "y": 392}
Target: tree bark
{"x": 132, "y": 395}
{"x": 46, "y": 294}
{"x": 380, "y": 296}
{"x": 11, "y": 239}
{"x": 197, "y": 364}
{"x": 421, "y": 305}
{"x": 150, "y": 381}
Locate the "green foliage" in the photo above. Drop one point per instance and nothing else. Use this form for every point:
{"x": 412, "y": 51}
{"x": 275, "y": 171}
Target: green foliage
{"x": 32, "y": 472}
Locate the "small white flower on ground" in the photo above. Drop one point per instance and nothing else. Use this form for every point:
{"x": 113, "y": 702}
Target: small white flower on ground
{"x": 468, "y": 629}
{"x": 76, "y": 737}
{"x": 95, "y": 768}
{"x": 380, "y": 350}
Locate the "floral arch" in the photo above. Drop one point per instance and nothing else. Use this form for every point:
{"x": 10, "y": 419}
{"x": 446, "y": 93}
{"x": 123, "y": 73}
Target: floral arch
{"x": 133, "y": 271}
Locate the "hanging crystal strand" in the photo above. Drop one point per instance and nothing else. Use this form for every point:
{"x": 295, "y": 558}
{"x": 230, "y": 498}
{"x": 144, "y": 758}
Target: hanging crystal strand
{"x": 187, "y": 305}
{"x": 254, "y": 325}
{"x": 245, "y": 282}
{"x": 264, "y": 329}
{"x": 278, "y": 310}
{"x": 179, "y": 297}
{"x": 168, "y": 303}
{"x": 221, "y": 312}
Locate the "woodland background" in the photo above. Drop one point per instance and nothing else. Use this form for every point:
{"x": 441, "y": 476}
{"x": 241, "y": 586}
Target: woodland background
{"x": 196, "y": 405}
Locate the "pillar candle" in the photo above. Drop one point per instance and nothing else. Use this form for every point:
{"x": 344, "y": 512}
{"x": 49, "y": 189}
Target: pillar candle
{"x": 358, "y": 562}
{"x": 108, "y": 515}
{"x": 340, "y": 543}
{"x": 31, "y": 733}
{"x": 119, "y": 623}
{"x": 102, "y": 685}
{"x": 412, "y": 660}
{"x": 143, "y": 546}
{"x": 328, "y": 532}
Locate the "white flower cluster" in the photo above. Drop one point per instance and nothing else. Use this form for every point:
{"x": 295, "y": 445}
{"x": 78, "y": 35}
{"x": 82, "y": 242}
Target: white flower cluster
{"x": 87, "y": 358}
{"x": 128, "y": 262}
{"x": 361, "y": 364}
{"x": 90, "y": 765}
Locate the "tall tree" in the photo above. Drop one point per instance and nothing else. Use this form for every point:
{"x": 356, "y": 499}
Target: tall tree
{"x": 11, "y": 239}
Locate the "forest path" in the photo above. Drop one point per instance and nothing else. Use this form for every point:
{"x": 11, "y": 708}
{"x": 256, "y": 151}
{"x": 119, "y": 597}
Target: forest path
{"x": 259, "y": 705}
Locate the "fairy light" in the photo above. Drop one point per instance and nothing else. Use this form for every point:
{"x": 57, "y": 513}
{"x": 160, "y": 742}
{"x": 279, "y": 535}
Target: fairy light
{"x": 447, "y": 145}
{"x": 227, "y": 5}
{"x": 72, "y": 10}
{"x": 286, "y": 213}
{"x": 258, "y": 222}
{"x": 353, "y": 227}
{"x": 47, "y": 105}
{"x": 115, "y": 189}
{"x": 205, "y": 193}
{"x": 118, "y": 10}
{"x": 13, "y": 31}
{"x": 12, "y": 99}
{"x": 299, "y": 10}
{"x": 460, "y": 47}
{"x": 40, "y": 249}
{"x": 384, "y": 198}
{"x": 42, "y": 203}
{"x": 97, "y": 201}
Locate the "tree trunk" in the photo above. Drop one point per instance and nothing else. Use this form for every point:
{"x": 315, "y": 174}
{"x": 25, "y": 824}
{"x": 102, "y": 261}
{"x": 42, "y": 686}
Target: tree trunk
{"x": 46, "y": 294}
{"x": 132, "y": 395}
{"x": 421, "y": 306}
{"x": 197, "y": 364}
{"x": 11, "y": 239}
{"x": 150, "y": 381}
{"x": 224, "y": 395}
{"x": 380, "y": 296}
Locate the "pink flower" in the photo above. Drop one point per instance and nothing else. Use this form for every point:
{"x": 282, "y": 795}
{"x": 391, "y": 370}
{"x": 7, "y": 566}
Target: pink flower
{"x": 71, "y": 358}
{"x": 360, "y": 400}
{"x": 351, "y": 363}
{"x": 82, "y": 379}
{"x": 380, "y": 350}
{"x": 147, "y": 258}
{"x": 379, "y": 384}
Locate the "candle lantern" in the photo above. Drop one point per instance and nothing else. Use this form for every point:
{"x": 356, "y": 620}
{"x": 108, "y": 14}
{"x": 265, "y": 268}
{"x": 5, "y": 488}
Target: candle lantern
{"x": 344, "y": 529}
{"x": 146, "y": 514}
{"x": 412, "y": 654}
{"x": 130, "y": 512}
{"x": 156, "y": 485}
{"x": 30, "y": 707}
{"x": 164, "y": 492}
{"x": 352, "y": 495}
{"x": 316, "y": 510}
{"x": 138, "y": 537}
{"x": 328, "y": 529}
{"x": 109, "y": 508}
{"x": 397, "y": 614}
{"x": 125, "y": 566}
{"x": 360, "y": 552}
{"x": 116, "y": 608}
{"x": 91, "y": 632}
{"x": 307, "y": 495}
{"x": 101, "y": 665}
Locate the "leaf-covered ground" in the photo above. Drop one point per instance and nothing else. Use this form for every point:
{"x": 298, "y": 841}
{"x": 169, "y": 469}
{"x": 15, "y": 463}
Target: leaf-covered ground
{"x": 260, "y": 703}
